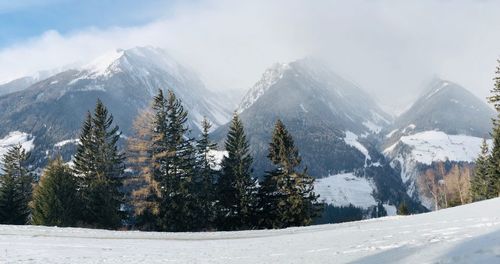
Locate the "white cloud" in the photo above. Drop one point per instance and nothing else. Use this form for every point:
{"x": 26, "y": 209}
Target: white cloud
{"x": 388, "y": 47}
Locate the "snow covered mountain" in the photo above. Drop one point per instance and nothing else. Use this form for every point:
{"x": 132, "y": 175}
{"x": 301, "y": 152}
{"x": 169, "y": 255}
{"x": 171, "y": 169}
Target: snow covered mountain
{"x": 327, "y": 115}
{"x": 447, "y": 107}
{"x": 52, "y": 110}
{"x": 308, "y": 85}
{"x": 333, "y": 123}
{"x": 463, "y": 234}
{"x": 445, "y": 124}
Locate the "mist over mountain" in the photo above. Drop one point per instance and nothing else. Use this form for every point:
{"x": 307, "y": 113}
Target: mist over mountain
{"x": 448, "y": 107}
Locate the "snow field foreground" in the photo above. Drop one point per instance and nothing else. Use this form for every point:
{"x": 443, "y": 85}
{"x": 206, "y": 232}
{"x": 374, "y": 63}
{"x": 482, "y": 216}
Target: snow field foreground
{"x": 466, "y": 234}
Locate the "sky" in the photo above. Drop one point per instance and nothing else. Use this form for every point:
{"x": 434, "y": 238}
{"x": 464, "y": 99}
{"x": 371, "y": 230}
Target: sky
{"x": 24, "y": 19}
{"x": 390, "y": 48}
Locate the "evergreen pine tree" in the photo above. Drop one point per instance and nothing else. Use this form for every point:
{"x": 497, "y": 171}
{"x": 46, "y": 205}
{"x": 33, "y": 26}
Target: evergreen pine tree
{"x": 173, "y": 159}
{"x": 55, "y": 199}
{"x": 287, "y": 196}
{"x": 84, "y": 158}
{"x": 15, "y": 187}
{"x": 99, "y": 166}
{"x": 236, "y": 188}
{"x": 480, "y": 182}
{"x": 205, "y": 177}
{"x": 494, "y": 160}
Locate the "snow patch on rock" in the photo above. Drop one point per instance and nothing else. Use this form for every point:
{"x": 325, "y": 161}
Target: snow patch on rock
{"x": 351, "y": 139}
{"x": 67, "y": 141}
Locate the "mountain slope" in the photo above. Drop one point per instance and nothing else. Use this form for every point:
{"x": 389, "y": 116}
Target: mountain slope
{"x": 463, "y": 234}
{"x": 332, "y": 121}
{"x": 125, "y": 80}
{"x": 446, "y": 124}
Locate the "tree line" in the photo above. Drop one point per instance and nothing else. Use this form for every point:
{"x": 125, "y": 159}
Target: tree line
{"x": 177, "y": 183}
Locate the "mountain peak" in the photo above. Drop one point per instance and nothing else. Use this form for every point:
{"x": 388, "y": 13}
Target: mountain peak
{"x": 270, "y": 76}
{"x": 446, "y": 106}
{"x": 439, "y": 86}
{"x": 121, "y": 59}
{"x": 309, "y": 67}
{"x": 102, "y": 65}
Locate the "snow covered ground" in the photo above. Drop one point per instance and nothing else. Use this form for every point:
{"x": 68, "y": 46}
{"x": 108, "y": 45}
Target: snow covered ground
{"x": 467, "y": 234}
{"x": 344, "y": 189}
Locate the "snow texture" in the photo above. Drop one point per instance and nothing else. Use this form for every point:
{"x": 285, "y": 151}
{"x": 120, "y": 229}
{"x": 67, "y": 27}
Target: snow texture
{"x": 67, "y": 141}
{"x": 432, "y": 146}
{"x": 465, "y": 234}
{"x": 14, "y": 138}
{"x": 344, "y": 189}
{"x": 102, "y": 65}
{"x": 218, "y": 156}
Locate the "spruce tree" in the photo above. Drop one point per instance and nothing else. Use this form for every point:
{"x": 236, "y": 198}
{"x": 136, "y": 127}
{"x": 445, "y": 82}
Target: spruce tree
{"x": 15, "y": 187}
{"x": 236, "y": 188}
{"x": 55, "y": 199}
{"x": 173, "y": 159}
{"x": 494, "y": 160}
{"x": 99, "y": 166}
{"x": 480, "y": 182}
{"x": 287, "y": 196}
{"x": 205, "y": 177}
